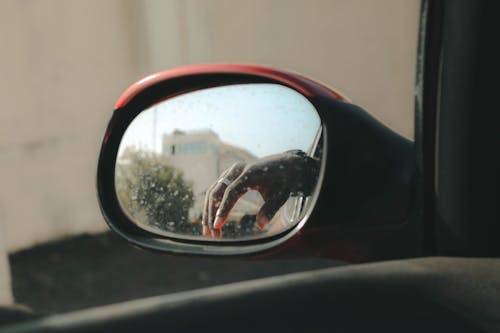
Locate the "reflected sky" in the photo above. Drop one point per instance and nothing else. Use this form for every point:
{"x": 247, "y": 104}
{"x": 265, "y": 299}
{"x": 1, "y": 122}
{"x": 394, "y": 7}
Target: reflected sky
{"x": 262, "y": 118}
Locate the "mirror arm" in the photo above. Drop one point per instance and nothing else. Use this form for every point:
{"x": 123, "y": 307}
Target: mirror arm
{"x": 370, "y": 168}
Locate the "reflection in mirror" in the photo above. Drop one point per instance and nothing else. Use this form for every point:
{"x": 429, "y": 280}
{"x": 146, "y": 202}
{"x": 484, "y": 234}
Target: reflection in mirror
{"x": 227, "y": 163}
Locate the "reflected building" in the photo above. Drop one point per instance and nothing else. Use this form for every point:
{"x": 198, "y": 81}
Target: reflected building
{"x": 202, "y": 157}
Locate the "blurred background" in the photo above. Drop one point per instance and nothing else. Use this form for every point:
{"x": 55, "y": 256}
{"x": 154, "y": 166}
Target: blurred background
{"x": 64, "y": 64}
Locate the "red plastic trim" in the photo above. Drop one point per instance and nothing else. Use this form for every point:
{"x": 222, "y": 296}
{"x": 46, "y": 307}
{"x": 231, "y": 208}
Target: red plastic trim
{"x": 301, "y": 84}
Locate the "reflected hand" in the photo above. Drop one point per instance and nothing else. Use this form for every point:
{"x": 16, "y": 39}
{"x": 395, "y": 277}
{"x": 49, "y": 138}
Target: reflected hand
{"x": 276, "y": 177}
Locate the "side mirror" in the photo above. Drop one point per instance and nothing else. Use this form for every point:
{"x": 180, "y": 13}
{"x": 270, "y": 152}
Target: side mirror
{"x": 234, "y": 159}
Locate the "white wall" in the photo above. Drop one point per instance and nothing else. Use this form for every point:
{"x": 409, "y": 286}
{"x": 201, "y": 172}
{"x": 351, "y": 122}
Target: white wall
{"x": 64, "y": 63}
{"x": 366, "y": 49}
{"x": 5, "y": 289}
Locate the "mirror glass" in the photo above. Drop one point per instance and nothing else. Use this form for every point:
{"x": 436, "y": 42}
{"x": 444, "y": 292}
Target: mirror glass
{"x": 235, "y": 162}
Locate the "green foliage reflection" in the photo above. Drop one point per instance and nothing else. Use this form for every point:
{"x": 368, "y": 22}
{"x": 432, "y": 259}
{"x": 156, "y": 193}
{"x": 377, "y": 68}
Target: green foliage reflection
{"x": 153, "y": 192}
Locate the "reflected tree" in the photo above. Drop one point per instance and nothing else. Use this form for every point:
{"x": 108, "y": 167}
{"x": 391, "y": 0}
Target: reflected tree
{"x": 154, "y": 192}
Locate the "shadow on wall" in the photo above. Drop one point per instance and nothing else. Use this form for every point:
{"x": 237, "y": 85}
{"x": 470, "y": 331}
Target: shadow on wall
{"x": 92, "y": 270}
